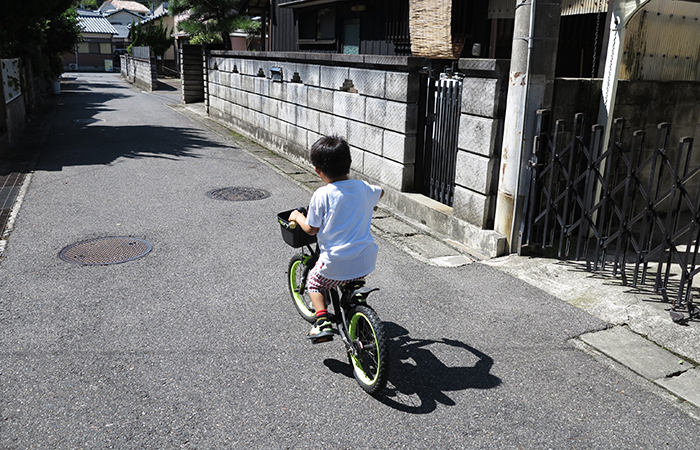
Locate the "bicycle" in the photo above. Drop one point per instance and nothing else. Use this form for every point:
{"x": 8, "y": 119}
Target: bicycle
{"x": 358, "y": 325}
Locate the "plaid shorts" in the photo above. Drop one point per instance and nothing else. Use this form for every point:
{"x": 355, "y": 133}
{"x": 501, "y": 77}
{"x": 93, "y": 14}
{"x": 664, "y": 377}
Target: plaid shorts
{"x": 317, "y": 283}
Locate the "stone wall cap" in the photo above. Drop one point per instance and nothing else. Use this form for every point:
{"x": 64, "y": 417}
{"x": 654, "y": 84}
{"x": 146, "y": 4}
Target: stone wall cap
{"x": 484, "y": 68}
{"x": 401, "y": 63}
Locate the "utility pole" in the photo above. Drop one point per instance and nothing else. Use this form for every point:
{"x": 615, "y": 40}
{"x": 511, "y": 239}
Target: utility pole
{"x": 530, "y": 87}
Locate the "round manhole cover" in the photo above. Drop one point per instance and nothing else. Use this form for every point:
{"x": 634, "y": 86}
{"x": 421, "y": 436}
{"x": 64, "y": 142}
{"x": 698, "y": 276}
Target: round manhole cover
{"x": 238, "y": 194}
{"x": 103, "y": 251}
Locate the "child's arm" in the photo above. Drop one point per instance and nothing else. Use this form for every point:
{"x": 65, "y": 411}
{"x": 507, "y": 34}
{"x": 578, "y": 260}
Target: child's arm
{"x": 300, "y": 219}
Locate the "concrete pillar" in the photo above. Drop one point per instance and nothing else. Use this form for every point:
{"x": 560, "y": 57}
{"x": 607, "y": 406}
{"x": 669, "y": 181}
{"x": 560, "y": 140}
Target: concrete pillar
{"x": 531, "y": 81}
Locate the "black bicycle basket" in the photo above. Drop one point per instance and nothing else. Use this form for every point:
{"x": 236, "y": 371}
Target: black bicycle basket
{"x": 293, "y": 235}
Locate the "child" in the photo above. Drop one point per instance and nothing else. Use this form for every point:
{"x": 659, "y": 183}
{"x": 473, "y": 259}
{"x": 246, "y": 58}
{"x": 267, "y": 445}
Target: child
{"x": 339, "y": 215}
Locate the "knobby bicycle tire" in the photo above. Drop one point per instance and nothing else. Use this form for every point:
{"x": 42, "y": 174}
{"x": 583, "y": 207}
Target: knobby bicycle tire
{"x": 301, "y": 302}
{"x": 370, "y": 365}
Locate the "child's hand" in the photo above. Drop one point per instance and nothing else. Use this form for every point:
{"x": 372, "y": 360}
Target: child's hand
{"x": 294, "y": 216}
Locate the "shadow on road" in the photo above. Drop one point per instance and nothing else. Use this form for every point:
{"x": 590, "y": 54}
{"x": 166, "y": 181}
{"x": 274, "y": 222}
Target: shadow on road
{"x": 82, "y": 137}
{"x": 105, "y": 144}
{"x": 418, "y": 380}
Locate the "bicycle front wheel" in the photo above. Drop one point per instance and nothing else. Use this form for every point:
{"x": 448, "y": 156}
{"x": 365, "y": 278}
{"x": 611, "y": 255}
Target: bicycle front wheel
{"x": 296, "y": 278}
{"x": 370, "y": 363}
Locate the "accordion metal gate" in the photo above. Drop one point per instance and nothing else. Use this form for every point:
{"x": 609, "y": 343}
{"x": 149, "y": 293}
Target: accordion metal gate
{"x": 633, "y": 205}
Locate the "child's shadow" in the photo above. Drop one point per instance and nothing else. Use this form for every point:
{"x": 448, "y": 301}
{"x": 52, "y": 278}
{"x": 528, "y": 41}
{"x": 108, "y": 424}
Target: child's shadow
{"x": 418, "y": 380}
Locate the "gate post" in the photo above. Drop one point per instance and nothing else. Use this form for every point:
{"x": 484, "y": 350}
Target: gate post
{"x": 533, "y": 61}
{"x": 192, "y": 73}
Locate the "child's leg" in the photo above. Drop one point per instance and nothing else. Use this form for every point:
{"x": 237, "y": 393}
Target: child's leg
{"x": 318, "y": 301}
{"x": 322, "y": 329}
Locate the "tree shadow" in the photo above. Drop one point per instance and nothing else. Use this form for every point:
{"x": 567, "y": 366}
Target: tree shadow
{"x": 90, "y": 143}
{"x": 418, "y": 380}
{"x": 75, "y": 83}
{"x": 80, "y": 137}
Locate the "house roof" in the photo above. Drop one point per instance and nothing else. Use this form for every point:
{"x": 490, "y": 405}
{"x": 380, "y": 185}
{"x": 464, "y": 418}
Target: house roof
{"x": 157, "y": 15}
{"x": 162, "y": 9}
{"x": 125, "y": 4}
{"x": 122, "y": 31}
{"x": 112, "y": 12}
{"x": 94, "y": 22}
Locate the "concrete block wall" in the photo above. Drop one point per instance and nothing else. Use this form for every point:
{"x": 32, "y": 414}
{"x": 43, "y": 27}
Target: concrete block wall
{"x": 376, "y": 110}
{"x": 484, "y": 92}
{"x": 141, "y": 72}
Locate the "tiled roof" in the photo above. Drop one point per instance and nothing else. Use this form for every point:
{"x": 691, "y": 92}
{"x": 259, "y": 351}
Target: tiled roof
{"x": 156, "y": 16}
{"x": 122, "y": 30}
{"x": 94, "y": 22}
{"x": 117, "y": 11}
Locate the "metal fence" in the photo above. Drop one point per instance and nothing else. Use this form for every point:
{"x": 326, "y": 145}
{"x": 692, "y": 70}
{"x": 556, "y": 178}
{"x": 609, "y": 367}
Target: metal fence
{"x": 634, "y": 205}
{"x": 442, "y": 134}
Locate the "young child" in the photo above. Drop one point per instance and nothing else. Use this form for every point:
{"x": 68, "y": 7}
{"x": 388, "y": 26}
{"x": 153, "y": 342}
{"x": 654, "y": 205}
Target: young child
{"x": 339, "y": 215}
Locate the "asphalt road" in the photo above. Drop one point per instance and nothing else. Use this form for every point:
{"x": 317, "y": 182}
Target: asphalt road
{"x": 198, "y": 345}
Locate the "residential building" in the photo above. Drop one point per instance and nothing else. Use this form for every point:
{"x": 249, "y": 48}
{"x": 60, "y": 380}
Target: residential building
{"x": 95, "y": 52}
{"x": 122, "y": 19}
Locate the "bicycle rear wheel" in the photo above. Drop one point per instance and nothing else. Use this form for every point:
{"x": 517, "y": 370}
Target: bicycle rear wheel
{"x": 296, "y": 274}
{"x": 370, "y": 364}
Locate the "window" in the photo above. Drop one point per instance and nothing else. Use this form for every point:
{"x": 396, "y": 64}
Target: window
{"x": 325, "y": 24}
{"x": 106, "y": 48}
{"x": 83, "y": 47}
{"x": 317, "y": 24}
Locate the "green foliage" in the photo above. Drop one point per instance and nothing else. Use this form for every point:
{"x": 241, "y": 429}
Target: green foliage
{"x": 212, "y": 21}
{"x": 87, "y": 4}
{"x": 39, "y": 30}
{"x": 151, "y": 34}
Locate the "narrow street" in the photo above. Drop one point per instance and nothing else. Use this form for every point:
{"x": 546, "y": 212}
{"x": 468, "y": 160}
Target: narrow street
{"x": 196, "y": 344}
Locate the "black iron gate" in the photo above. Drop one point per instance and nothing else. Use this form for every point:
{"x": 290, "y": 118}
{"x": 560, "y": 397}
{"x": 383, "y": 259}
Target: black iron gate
{"x": 633, "y": 205}
{"x": 436, "y": 174}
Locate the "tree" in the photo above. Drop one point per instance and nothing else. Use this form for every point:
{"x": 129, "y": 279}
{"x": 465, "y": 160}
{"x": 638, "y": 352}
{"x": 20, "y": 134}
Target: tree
{"x": 150, "y": 34}
{"x": 87, "y": 4}
{"x": 62, "y": 34}
{"x": 212, "y": 21}
{"x": 38, "y": 30}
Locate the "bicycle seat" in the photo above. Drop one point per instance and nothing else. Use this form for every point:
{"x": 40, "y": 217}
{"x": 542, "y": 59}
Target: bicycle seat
{"x": 363, "y": 292}
{"x": 351, "y": 286}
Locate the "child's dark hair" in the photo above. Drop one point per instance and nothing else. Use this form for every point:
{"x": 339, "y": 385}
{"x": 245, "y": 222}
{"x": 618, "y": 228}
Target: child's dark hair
{"x": 331, "y": 155}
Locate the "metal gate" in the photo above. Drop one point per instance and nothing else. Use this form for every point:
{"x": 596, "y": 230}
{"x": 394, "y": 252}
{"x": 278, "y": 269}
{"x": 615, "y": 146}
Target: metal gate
{"x": 634, "y": 205}
{"x": 444, "y": 100}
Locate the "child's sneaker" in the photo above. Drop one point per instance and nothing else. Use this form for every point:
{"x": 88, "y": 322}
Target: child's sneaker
{"x": 322, "y": 331}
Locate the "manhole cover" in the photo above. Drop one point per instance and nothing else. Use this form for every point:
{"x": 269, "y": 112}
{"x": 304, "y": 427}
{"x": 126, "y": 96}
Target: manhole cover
{"x": 238, "y": 194}
{"x": 102, "y": 251}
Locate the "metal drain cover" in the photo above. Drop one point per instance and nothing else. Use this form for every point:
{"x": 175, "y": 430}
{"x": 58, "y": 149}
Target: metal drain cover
{"x": 238, "y": 194}
{"x": 103, "y": 251}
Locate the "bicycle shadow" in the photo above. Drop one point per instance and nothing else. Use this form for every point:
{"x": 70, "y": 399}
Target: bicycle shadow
{"x": 418, "y": 380}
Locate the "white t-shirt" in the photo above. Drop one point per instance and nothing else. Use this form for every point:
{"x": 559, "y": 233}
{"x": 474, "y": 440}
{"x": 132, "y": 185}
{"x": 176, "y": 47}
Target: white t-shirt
{"x": 342, "y": 211}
